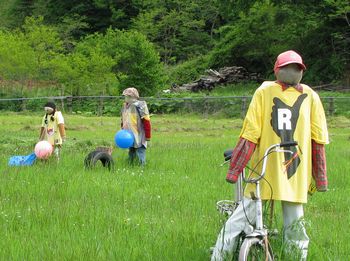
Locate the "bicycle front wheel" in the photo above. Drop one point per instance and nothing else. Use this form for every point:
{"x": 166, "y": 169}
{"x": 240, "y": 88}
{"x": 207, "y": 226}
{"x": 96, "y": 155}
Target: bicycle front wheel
{"x": 254, "y": 249}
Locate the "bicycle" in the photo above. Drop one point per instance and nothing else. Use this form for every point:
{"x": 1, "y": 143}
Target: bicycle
{"x": 253, "y": 243}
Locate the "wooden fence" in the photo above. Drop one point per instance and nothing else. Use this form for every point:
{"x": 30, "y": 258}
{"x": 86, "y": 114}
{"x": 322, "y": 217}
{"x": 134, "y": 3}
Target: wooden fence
{"x": 110, "y": 105}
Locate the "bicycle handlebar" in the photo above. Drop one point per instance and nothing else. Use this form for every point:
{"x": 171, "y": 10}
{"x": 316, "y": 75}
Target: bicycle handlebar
{"x": 228, "y": 153}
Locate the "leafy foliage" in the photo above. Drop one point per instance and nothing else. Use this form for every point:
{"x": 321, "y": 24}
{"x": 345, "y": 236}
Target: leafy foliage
{"x": 98, "y": 15}
{"x": 17, "y": 58}
{"x": 188, "y": 71}
{"x": 97, "y": 46}
{"x": 138, "y": 62}
{"x": 268, "y": 28}
{"x": 178, "y": 28}
{"x": 132, "y": 59}
{"x": 98, "y": 64}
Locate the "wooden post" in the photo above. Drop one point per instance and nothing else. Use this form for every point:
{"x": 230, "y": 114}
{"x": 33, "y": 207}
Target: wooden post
{"x": 190, "y": 105}
{"x": 331, "y": 108}
{"x": 23, "y": 105}
{"x": 244, "y": 107}
{"x": 62, "y": 99}
{"x": 62, "y": 105}
{"x": 100, "y": 107}
{"x": 206, "y": 107}
{"x": 70, "y": 104}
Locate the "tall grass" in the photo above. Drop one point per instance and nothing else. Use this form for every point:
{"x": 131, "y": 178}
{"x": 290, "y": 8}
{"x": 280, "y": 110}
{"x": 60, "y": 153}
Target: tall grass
{"x": 165, "y": 211}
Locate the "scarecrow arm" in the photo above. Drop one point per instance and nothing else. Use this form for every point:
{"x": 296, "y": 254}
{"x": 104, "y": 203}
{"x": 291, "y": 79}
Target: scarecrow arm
{"x": 319, "y": 169}
{"x": 62, "y": 131}
{"x": 239, "y": 159}
{"x": 147, "y": 127}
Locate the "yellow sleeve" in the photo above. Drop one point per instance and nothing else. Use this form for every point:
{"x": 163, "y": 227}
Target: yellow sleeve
{"x": 319, "y": 130}
{"x": 252, "y": 124}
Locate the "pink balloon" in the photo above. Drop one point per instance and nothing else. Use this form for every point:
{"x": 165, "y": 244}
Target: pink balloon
{"x": 43, "y": 149}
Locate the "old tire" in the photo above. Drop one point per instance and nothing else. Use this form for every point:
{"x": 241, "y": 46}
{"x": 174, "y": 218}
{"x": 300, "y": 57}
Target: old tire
{"x": 95, "y": 156}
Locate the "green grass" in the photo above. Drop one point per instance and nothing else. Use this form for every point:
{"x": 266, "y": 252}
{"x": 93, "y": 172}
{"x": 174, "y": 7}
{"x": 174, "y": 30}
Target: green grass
{"x": 165, "y": 211}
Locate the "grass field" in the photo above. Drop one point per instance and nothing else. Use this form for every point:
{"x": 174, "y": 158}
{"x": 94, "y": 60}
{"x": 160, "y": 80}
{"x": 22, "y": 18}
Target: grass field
{"x": 165, "y": 211}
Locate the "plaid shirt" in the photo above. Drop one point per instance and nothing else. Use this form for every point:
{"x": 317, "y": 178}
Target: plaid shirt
{"x": 240, "y": 157}
{"x": 319, "y": 170}
{"x": 245, "y": 148}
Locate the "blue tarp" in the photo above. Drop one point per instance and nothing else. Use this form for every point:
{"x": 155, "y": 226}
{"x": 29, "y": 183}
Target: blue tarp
{"x": 22, "y": 160}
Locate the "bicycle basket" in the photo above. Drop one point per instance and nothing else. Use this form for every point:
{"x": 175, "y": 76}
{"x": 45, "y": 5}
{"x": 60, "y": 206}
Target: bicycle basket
{"x": 226, "y": 206}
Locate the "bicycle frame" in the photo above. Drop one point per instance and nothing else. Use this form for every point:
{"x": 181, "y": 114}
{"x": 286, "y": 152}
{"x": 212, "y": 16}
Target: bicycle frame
{"x": 259, "y": 226}
{"x": 239, "y": 188}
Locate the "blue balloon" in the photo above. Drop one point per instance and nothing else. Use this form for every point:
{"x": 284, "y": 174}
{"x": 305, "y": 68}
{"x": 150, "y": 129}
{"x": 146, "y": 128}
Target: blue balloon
{"x": 124, "y": 139}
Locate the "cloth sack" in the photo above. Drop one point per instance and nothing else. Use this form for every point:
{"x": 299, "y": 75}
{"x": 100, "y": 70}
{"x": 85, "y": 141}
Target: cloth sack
{"x": 22, "y": 160}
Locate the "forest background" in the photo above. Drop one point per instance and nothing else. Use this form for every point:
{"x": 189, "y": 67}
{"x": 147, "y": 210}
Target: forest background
{"x": 98, "y": 47}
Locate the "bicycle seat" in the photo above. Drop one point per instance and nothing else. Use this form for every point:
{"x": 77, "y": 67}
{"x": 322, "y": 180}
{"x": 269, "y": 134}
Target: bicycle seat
{"x": 228, "y": 154}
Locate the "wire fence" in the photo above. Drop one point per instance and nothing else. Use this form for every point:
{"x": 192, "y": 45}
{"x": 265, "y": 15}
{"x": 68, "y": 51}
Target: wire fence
{"x": 230, "y": 106}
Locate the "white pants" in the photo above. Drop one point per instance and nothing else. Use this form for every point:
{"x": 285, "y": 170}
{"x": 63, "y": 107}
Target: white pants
{"x": 295, "y": 236}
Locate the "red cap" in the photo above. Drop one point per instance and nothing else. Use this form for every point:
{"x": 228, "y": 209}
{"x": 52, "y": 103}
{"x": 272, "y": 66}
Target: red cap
{"x": 288, "y": 57}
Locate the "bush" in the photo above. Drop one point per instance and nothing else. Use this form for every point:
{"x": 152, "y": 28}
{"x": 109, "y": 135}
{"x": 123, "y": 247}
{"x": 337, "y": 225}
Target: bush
{"x": 188, "y": 71}
{"x": 138, "y": 61}
{"x": 106, "y": 64}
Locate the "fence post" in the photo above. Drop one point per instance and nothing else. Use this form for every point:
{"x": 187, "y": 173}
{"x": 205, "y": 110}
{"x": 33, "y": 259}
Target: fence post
{"x": 23, "y": 105}
{"x": 206, "y": 107}
{"x": 100, "y": 107}
{"x": 70, "y": 104}
{"x": 244, "y": 107}
{"x": 62, "y": 105}
{"x": 331, "y": 106}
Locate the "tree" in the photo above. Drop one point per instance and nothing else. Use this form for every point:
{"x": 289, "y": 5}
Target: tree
{"x": 86, "y": 73}
{"x": 188, "y": 35}
{"x": 26, "y": 53}
{"x": 339, "y": 15}
{"x": 137, "y": 63}
{"x": 269, "y": 27}
{"x": 45, "y": 43}
{"x": 179, "y": 29}
{"x": 106, "y": 63}
{"x": 17, "y": 58}
{"x": 97, "y": 14}
{"x": 250, "y": 41}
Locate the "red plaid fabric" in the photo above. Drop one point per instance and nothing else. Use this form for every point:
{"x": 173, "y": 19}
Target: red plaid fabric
{"x": 319, "y": 170}
{"x": 240, "y": 157}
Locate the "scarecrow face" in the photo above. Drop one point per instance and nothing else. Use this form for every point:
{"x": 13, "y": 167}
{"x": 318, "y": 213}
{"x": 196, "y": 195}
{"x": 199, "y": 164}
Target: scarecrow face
{"x": 290, "y": 74}
{"x": 48, "y": 110}
{"x": 129, "y": 99}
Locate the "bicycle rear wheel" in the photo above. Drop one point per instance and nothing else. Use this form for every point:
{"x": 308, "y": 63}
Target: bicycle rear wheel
{"x": 254, "y": 249}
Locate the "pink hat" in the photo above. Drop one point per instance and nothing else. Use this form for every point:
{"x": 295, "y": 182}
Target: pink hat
{"x": 288, "y": 57}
